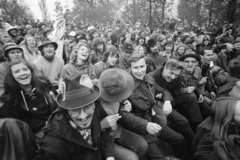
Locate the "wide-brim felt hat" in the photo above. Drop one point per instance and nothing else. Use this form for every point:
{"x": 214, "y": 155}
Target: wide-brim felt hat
{"x": 221, "y": 46}
{"x": 40, "y": 47}
{"x": 78, "y": 92}
{"x": 151, "y": 42}
{"x": 198, "y": 58}
{"x": 115, "y": 85}
{"x": 10, "y": 46}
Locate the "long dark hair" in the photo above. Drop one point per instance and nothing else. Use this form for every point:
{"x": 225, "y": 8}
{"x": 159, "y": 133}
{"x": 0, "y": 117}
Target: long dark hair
{"x": 223, "y": 113}
{"x": 12, "y": 88}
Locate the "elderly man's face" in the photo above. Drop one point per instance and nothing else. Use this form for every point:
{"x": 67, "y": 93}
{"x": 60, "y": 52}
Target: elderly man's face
{"x": 5, "y": 38}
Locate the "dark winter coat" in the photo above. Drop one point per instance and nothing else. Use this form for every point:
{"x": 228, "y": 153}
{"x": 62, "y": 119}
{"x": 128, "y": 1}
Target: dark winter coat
{"x": 62, "y": 142}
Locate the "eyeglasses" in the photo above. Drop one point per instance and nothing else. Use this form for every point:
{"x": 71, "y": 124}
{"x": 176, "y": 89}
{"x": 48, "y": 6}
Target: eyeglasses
{"x": 188, "y": 62}
{"x": 77, "y": 112}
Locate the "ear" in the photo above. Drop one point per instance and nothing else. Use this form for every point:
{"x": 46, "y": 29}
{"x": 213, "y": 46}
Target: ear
{"x": 197, "y": 63}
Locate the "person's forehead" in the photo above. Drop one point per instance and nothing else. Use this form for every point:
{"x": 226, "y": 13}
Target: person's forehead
{"x": 176, "y": 71}
{"x": 190, "y": 59}
{"x": 15, "y": 50}
{"x": 208, "y": 51}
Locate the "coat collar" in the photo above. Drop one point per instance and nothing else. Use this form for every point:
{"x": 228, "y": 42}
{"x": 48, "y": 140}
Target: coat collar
{"x": 58, "y": 125}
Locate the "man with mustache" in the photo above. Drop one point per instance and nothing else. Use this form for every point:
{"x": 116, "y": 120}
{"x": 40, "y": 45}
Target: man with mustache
{"x": 154, "y": 59}
{"x": 74, "y": 131}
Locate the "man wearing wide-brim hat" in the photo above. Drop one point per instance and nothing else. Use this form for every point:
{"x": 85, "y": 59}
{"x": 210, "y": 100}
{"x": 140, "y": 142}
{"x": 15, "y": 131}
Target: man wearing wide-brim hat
{"x": 74, "y": 131}
{"x": 49, "y": 64}
{"x": 116, "y": 86}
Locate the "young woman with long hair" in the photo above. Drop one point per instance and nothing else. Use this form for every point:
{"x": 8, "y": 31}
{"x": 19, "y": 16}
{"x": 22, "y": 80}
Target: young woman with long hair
{"x": 110, "y": 60}
{"x": 218, "y": 136}
{"x": 30, "y": 49}
{"x": 27, "y": 96}
{"x": 79, "y": 62}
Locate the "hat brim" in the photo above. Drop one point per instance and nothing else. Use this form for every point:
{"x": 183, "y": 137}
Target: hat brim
{"x": 79, "y": 102}
{"x": 44, "y": 44}
{"x": 198, "y": 58}
{"x": 11, "y": 48}
{"x": 125, "y": 92}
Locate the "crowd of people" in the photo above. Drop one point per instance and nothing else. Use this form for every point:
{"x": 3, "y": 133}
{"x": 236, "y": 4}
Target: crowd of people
{"x": 120, "y": 91}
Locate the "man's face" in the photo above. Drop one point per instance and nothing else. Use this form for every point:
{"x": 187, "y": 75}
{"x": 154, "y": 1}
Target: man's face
{"x": 83, "y": 116}
{"x": 127, "y": 55}
{"x": 170, "y": 74}
{"x": 154, "y": 49}
{"x": 5, "y": 38}
{"x": 100, "y": 47}
{"x": 48, "y": 50}
{"x": 13, "y": 32}
{"x": 208, "y": 55}
{"x": 139, "y": 68}
{"x": 237, "y": 46}
{"x": 190, "y": 64}
{"x": 71, "y": 38}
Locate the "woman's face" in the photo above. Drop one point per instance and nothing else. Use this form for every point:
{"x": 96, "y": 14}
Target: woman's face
{"x": 169, "y": 47}
{"x": 141, "y": 41}
{"x": 31, "y": 42}
{"x": 15, "y": 54}
{"x": 206, "y": 42}
{"x": 237, "y": 113}
{"x": 112, "y": 59}
{"x": 22, "y": 74}
{"x": 37, "y": 37}
{"x": 83, "y": 53}
{"x": 181, "y": 50}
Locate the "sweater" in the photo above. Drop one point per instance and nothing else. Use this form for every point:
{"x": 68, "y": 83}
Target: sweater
{"x": 52, "y": 70}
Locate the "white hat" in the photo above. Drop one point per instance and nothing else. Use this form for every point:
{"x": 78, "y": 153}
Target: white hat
{"x": 9, "y": 27}
{"x": 90, "y": 28}
{"x": 72, "y": 33}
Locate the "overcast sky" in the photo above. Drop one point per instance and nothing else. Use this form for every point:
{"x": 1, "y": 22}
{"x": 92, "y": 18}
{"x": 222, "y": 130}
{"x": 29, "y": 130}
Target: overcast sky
{"x": 33, "y": 5}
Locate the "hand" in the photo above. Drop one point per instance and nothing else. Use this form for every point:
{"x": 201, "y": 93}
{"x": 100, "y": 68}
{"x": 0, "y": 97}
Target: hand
{"x": 167, "y": 108}
{"x": 190, "y": 89}
{"x": 109, "y": 121}
{"x": 200, "y": 99}
{"x": 153, "y": 128}
{"x": 159, "y": 96}
{"x": 127, "y": 106}
{"x": 213, "y": 95}
{"x": 203, "y": 81}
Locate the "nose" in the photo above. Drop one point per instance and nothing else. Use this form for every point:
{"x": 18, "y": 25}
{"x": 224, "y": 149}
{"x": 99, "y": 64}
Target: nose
{"x": 82, "y": 114}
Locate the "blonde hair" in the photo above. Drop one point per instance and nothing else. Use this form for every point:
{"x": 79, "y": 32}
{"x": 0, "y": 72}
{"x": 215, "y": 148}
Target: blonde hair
{"x": 73, "y": 55}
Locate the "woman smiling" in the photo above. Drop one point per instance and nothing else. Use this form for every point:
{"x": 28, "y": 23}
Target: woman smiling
{"x": 26, "y": 96}
{"x": 30, "y": 50}
{"x": 79, "y": 62}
